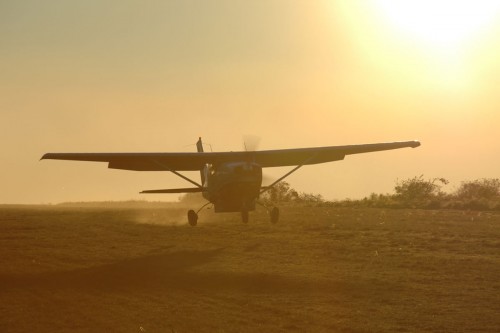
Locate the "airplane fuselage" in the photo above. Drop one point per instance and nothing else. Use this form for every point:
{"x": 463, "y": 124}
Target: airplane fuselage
{"x": 232, "y": 187}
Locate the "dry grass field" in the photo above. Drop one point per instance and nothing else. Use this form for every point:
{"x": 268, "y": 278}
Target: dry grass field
{"x": 321, "y": 269}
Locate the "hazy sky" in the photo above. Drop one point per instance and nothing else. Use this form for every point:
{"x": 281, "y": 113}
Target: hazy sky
{"x": 106, "y": 76}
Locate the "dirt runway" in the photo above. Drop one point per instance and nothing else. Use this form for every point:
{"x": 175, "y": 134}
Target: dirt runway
{"x": 321, "y": 269}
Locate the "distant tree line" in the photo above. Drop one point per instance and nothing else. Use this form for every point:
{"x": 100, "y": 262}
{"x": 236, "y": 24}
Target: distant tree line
{"x": 419, "y": 192}
{"x": 416, "y": 192}
{"x": 281, "y": 193}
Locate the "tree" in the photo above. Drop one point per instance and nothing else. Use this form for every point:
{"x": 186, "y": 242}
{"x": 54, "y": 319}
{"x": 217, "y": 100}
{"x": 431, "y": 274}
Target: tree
{"x": 418, "y": 189}
{"x": 281, "y": 192}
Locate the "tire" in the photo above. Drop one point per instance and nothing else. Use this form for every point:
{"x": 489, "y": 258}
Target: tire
{"x": 192, "y": 218}
{"x": 274, "y": 214}
{"x": 244, "y": 216}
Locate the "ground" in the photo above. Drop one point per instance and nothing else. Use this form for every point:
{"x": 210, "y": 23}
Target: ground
{"x": 320, "y": 269}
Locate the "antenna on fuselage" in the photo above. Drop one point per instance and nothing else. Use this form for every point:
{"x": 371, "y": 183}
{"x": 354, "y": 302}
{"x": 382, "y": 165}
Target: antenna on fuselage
{"x": 199, "y": 145}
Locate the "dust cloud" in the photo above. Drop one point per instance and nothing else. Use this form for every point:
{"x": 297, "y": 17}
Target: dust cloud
{"x": 171, "y": 216}
{"x": 140, "y": 212}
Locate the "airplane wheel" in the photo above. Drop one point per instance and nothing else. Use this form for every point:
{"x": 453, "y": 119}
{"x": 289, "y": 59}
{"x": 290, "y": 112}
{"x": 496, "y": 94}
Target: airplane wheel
{"x": 244, "y": 216}
{"x": 192, "y": 218}
{"x": 274, "y": 215}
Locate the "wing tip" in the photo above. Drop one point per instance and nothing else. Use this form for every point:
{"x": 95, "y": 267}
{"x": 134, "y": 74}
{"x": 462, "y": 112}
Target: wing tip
{"x": 415, "y": 144}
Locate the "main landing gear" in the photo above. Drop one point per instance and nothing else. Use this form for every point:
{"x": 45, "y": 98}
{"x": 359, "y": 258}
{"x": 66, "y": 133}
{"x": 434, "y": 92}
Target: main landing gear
{"x": 274, "y": 212}
{"x": 193, "y": 216}
{"x": 274, "y": 215}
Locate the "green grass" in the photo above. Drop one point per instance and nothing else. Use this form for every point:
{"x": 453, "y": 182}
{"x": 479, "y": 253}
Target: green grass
{"x": 321, "y": 269}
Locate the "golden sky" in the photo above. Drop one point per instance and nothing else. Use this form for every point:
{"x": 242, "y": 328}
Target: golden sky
{"x": 106, "y": 76}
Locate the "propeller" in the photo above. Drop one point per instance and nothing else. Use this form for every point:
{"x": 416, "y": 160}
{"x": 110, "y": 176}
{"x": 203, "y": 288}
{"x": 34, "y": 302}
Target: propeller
{"x": 251, "y": 142}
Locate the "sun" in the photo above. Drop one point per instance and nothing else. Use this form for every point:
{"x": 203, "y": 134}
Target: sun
{"x": 441, "y": 23}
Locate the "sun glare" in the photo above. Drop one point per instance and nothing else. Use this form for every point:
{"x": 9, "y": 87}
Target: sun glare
{"x": 443, "y": 23}
{"x": 446, "y": 31}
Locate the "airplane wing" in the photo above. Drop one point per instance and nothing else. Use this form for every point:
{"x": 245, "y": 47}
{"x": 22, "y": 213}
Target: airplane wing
{"x": 196, "y": 161}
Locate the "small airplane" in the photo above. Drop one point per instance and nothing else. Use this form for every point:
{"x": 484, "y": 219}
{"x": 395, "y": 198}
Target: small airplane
{"x": 231, "y": 181}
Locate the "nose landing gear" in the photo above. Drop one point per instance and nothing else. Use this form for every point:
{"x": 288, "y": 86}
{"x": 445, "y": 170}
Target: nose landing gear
{"x": 274, "y": 214}
{"x": 244, "y": 216}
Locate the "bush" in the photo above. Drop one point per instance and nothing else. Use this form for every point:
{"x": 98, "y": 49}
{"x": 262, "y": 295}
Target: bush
{"x": 486, "y": 188}
{"x": 309, "y": 197}
{"x": 418, "y": 191}
{"x": 380, "y": 201}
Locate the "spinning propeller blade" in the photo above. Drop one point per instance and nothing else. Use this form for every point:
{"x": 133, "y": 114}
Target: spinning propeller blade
{"x": 251, "y": 142}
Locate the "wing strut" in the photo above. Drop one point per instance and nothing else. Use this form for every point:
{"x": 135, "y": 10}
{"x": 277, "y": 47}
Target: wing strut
{"x": 177, "y": 173}
{"x": 267, "y": 188}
